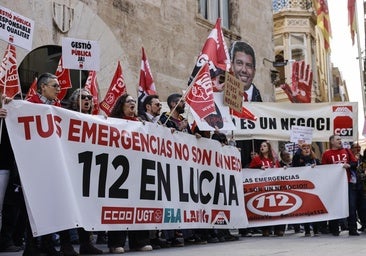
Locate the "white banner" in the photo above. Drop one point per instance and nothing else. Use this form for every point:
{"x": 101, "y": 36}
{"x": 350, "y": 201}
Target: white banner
{"x": 80, "y": 54}
{"x": 295, "y": 195}
{"x": 16, "y": 29}
{"x": 276, "y": 119}
{"x": 86, "y": 171}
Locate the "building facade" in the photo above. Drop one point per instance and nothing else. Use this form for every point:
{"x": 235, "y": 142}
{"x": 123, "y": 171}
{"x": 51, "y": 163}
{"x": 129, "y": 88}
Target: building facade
{"x": 172, "y": 33}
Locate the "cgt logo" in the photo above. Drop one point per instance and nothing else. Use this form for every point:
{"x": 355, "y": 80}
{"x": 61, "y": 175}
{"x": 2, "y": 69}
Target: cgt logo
{"x": 117, "y": 215}
{"x": 343, "y": 122}
{"x": 220, "y": 217}
{"x": 274, "y": 203}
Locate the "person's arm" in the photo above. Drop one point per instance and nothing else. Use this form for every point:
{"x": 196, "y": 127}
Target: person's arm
{"x": 256, "y": 163}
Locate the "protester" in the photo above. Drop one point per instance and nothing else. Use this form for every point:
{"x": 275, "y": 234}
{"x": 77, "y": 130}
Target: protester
{"x": 306, "y": 157}
{"x": 174, "y": 118}
{"x": 125, "y": 108}
{"x": 286, "y": 160}
{"x": 361, "y": 180}
{"x": 263, "y": 161}
{"x": 48, "y": 88}
{"x": 151, "y": 111}
{"x": 81, "y": 100}
{"x": 221, "y": 234}
{"x": 8, "y": 172}
{"x": 152, "y": 108}
{"x": 336, "y": 154}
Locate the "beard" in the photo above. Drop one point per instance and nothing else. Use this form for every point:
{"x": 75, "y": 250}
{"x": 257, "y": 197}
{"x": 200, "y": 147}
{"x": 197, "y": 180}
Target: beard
{"x": 180, "y": 109}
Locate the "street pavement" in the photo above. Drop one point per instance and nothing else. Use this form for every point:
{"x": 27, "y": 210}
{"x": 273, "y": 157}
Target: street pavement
{"x": 290, "y": 244}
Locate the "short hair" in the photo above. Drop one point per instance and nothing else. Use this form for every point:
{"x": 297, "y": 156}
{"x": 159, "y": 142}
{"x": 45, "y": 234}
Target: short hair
{"x": 44, "y": 79}
{"x": 331, "y": 137}
{"x": 148, "y": 100}
{"x": 173, "y": 98}
{"x": 240, "y": 46}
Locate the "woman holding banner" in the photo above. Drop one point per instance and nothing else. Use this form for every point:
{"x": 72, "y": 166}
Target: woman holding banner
{"x": 81, "y": 100}
{"x": 305, "y": 156}
{"x": 263, "y": 161}
{"x": 125, "y": 108}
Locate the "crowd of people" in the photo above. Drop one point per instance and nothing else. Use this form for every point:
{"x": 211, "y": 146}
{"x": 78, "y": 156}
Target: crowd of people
{"x": 16, "y": 233}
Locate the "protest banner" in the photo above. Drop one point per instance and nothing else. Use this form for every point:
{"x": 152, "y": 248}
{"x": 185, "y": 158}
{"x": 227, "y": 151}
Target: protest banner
{"x": 233, "y": 95}
{"x": 274, "y": 120}
{"x": 80, "y": 54}
{"x": 16, "y": 29}
{"x": 295, "y": 195}
{"x": 100, "y": 173}
{"x": 301, "y": 134}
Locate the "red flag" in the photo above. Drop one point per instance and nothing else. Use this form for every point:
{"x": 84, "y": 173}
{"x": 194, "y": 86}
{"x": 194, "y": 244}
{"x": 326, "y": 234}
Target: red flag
{"x": 63, "y": 77}
{"x": 215, "y": 52}
{"x": 200, "y": 95}
{"x": 352, "y": 18}
{"x": 92, "y": 85}
{"x": 9, "y": 77}
{"x": 116, "y": 89}
{"x": 323, "y": 21}
{"x": 32, "y": 89}
{"x": 146, "y": 84}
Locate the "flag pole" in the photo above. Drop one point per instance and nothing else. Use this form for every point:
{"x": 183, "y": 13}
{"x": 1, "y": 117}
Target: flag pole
{"x": 360, "y": 60}
{"x": 80, "y": 90}
{"x": 2, "y": 104}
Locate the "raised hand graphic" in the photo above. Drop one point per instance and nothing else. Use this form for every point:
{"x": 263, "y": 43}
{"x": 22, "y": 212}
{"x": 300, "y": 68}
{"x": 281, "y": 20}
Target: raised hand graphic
{"x": 302, "y": 81}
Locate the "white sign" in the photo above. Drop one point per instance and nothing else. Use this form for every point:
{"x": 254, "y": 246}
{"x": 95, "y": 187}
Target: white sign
{"x": 113, "y": 174}
{"x": 301, "y": 134}
{"x": 16, "y": 29}
{"x": 275, "y": 120}
{"x": 295, "y": 195}
{"x": 80, "y": 54}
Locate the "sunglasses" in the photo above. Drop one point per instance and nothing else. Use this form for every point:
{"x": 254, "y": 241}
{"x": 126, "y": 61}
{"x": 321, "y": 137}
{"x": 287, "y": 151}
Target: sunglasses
{"x": 54, "y": 85}
{"x": 129, "y": 101}
{"x": 158, "y": 104}
{"x": 84, "y": 97}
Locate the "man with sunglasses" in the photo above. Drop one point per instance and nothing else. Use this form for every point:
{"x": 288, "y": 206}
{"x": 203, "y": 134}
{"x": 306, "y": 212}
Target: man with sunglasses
{"x": 48, "y": 89}
{"x": 152, "y": 108}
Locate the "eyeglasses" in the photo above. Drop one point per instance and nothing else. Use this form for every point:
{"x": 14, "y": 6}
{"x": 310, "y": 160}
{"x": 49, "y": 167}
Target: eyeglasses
{"x": 129, "y": 101}
{"x": 57, "y": 86}
{"x": 157, "y": 104}
{"x": 84, "y": 97}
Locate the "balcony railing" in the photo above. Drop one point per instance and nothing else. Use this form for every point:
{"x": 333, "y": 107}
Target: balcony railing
{"x": 293, "y": 5}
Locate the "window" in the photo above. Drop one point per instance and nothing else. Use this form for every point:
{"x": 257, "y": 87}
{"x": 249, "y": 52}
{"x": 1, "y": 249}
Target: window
{"x": 298, "y": 46}
{"x": 213, "y": 9}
